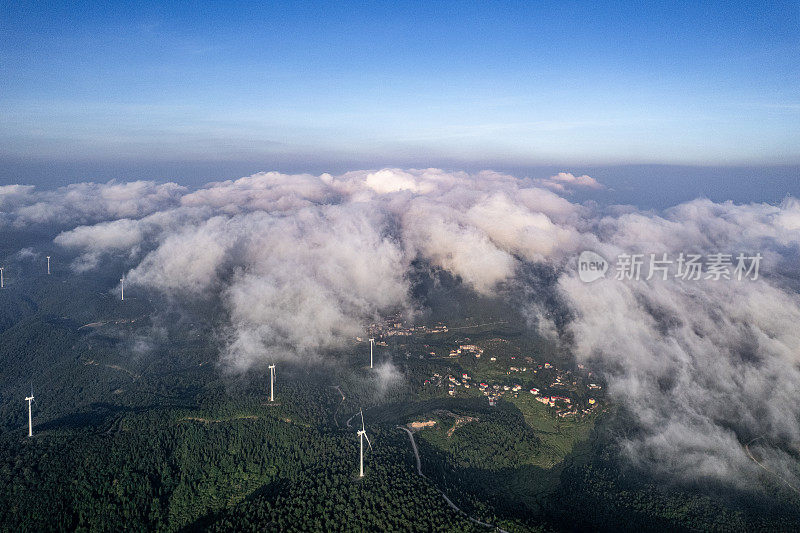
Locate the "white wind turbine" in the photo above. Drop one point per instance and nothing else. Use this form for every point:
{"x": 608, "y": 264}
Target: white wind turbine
{"x": 371, "y": 344}
{"x": 272, "y": 382}
{"x": 122, "y": 286}
{"x": 48, "y": 265}
{"x": 362, "y": 434}
{"x": 30, "y": 399}
{"x": 1, "y": 278}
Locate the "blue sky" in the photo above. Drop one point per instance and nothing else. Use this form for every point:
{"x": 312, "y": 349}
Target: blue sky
{"x": 422, "y": 83}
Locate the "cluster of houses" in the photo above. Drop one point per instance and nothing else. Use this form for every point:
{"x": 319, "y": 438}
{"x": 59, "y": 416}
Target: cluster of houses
{"x": 437, "y": 380}
{"x": 394, "y": 327}
{"x": 556, "y": 380}
{"x": 562, "y": 403}
{"x": 467, "y": 349}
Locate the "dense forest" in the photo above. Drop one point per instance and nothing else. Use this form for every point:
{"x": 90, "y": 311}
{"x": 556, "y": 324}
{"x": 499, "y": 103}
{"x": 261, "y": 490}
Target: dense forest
{"x": 138, "y": 427}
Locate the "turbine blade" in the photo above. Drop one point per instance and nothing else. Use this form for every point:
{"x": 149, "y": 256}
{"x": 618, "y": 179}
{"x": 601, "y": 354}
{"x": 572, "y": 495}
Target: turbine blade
{"x": 362, "y": 419}
{"x": 368, "y": 442}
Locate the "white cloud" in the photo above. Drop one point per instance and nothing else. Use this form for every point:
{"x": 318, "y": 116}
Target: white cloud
{"x": 564, "y": 181}
{"x": 266, "y": 191}
{"x": 300, "y": 263}
{"x": 82, "y": 203}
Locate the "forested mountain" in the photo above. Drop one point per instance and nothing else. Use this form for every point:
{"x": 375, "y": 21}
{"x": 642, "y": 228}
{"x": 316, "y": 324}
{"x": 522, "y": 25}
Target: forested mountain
{"x": 137, "y": 426}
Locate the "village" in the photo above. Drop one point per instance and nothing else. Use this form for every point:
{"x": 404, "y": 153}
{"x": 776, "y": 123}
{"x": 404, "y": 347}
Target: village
{"x": 495, "y": 375}
{"x": 494, "y": 390}
{"x": 394, "y": 327}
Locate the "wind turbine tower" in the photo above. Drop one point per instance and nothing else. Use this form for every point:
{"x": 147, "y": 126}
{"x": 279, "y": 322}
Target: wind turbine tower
{"x": 122, "y": 286}
{"x": 371, "y": 344}
{"x": 29, "y": 399}
{"x": 272, "y": 383}
{"x": 48, "y": 265}
{"x": 1, "y": 278}
{"x": 362, "y": 434}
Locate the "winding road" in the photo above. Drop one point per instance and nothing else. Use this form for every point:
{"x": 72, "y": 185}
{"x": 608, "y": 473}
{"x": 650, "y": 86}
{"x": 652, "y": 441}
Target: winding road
{"x": 479, "y": 325}
{"x": 756, "y": 461}
{"x": 338, "y": 406}
{"x": 448, "y": 500}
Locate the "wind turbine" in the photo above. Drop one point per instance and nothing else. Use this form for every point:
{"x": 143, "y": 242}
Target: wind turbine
{"x": 1, "y": 278}
{"x": 30, "y": 399}
{"x": 272, "y": 382}
{"x": 371, "y": 344}
{"x": 48, "y": 265}
{"x": 122, "y": 286}
{"x": 362, "y": 434}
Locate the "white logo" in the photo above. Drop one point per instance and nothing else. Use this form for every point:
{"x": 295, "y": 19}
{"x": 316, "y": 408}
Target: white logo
{"x": 591, "y": 266}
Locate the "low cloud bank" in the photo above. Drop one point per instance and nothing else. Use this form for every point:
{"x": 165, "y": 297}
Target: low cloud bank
{"x": 302, "y": 262}
{"x": 81, "y": 203}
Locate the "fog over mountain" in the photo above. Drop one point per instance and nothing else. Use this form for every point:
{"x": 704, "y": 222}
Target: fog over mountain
{"x": 301, "y": 263}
